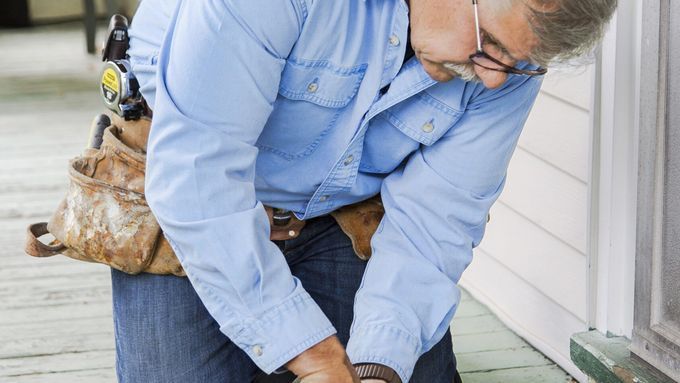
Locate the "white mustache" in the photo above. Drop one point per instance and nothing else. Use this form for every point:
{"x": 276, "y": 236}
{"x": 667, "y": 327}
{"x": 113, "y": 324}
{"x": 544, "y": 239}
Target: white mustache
{"x": 465, "y": 71}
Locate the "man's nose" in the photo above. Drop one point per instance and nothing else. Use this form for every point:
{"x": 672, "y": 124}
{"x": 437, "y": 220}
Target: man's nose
{"x": 490, "y": 78}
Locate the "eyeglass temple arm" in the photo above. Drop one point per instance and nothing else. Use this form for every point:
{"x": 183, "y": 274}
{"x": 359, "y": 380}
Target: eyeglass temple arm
{"x": 479, "y": 35}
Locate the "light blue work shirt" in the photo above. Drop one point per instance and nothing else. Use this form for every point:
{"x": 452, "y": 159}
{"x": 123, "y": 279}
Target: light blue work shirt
{"x": 278, "y": 103}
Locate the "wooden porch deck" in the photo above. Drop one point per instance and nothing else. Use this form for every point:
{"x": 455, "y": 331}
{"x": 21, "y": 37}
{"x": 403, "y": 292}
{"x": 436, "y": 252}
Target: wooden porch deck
{"x": 55, "y": 314}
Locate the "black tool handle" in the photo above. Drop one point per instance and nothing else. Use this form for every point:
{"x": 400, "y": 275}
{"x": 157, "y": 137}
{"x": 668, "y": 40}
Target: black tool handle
{"x": 99, "y": 124}
{"x": 117, "y": 39}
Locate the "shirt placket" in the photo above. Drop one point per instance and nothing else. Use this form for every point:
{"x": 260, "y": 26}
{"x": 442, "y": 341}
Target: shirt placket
{"x": 345, "y": 171}
{"x": 396, "y": 46}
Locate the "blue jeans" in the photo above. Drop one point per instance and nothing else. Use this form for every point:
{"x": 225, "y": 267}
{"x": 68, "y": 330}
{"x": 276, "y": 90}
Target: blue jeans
{"x": 164, "y": 333}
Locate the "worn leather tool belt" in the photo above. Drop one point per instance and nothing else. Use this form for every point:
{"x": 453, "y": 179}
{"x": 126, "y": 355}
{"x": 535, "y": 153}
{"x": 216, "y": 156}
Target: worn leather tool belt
{"x": 104, "y": 217}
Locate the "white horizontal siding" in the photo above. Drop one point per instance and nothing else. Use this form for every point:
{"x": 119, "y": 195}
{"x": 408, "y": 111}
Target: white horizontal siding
{"x": 548, "y": 197}
{"x": 531, "y": 267}
{"x": 539, "y": 258}
{"x": 572, "y": 85}
{"x": 556, "y": 132}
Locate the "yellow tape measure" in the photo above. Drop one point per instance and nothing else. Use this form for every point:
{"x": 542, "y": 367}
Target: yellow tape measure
{"x": 110, "y": 85}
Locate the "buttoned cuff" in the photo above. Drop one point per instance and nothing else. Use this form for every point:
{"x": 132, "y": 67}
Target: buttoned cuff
{"x": 390, "y": 346}
{"x": 282, "y": 333}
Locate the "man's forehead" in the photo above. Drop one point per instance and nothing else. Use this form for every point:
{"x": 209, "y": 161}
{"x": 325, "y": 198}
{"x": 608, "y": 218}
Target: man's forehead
{"x": 511, "y": 29}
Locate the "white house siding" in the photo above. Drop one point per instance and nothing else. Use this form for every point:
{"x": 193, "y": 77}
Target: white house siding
{"x": 531, "y": 267}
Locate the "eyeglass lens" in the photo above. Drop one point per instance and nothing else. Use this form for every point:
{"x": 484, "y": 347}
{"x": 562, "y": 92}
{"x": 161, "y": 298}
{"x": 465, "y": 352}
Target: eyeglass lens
{"x": 483, "y": 59}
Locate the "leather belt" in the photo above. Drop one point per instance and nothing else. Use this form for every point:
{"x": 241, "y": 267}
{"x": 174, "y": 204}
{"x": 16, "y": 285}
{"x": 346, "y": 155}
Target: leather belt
{"x": 283, "y": 223}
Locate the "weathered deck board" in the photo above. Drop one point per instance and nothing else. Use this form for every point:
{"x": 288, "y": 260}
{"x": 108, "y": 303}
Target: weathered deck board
{"x": 50, "y": 297}
{"x": 17, "y": 348}
{"x": 471, "y": 308}
{"x": 55, "y": 314}
{"x": 90, "y": 375}
{"x": 47, "y": 314}
{"x": 62, "y": 362}
{"x": 64, "y": 328}
{"x": 476, "y": 325}
{"x": 489, "y": 341}
{"x": 500, "y": 359}
{"x": 542, "y": 374}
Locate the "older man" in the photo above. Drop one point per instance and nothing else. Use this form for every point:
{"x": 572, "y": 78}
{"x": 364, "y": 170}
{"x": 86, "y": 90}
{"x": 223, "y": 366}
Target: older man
{"x": 310, "y": 106}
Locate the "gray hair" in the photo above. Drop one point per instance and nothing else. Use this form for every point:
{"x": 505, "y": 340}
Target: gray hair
{"x": 566, "y": 29}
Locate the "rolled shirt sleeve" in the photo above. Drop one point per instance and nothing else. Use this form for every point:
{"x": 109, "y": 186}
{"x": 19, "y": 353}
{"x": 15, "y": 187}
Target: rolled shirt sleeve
{"x": 436, "y": 208}
{"x": 218, "y": 73}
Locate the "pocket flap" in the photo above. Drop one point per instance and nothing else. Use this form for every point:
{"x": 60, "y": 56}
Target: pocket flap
{"x": 321, "y": 83}
{"x": 423, "y": 118}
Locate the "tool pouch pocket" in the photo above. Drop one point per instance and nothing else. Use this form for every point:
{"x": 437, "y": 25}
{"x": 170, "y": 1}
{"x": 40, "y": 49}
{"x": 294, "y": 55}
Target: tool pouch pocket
{"x": 105, "y": 223}
{"x": 104, "y": 217}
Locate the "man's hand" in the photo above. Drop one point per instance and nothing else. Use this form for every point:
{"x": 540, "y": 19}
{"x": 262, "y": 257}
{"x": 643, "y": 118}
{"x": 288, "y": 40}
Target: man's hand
{"x": 326, "y": 362}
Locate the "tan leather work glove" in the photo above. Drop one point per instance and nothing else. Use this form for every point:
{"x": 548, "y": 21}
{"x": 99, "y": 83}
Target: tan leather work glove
{"x": 325, "y": 362}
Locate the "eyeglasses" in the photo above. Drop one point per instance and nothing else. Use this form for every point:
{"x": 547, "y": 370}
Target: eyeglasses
{"x": 484, "y": 60}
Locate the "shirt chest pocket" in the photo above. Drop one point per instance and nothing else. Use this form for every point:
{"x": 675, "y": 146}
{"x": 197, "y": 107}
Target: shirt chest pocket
{"x": 311, "y": 98}
{"x": 398, "y": 131}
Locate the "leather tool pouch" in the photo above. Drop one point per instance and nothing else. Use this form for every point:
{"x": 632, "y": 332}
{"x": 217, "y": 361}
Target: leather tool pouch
{"x": 104, "y": 217}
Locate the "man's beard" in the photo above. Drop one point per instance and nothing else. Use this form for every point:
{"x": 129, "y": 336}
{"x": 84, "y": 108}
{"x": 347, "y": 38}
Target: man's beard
{"x": 466, "y": 72}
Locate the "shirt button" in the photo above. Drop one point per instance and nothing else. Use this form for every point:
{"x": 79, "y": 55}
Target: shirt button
{"x": 323, "y": 198}
{"x": 428, "y": 127}
{"x": 257, "y": 350}
{"x": 349, "y": 160}
{"x": 313, "y": 87}
{"x": 394, "y": 40}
